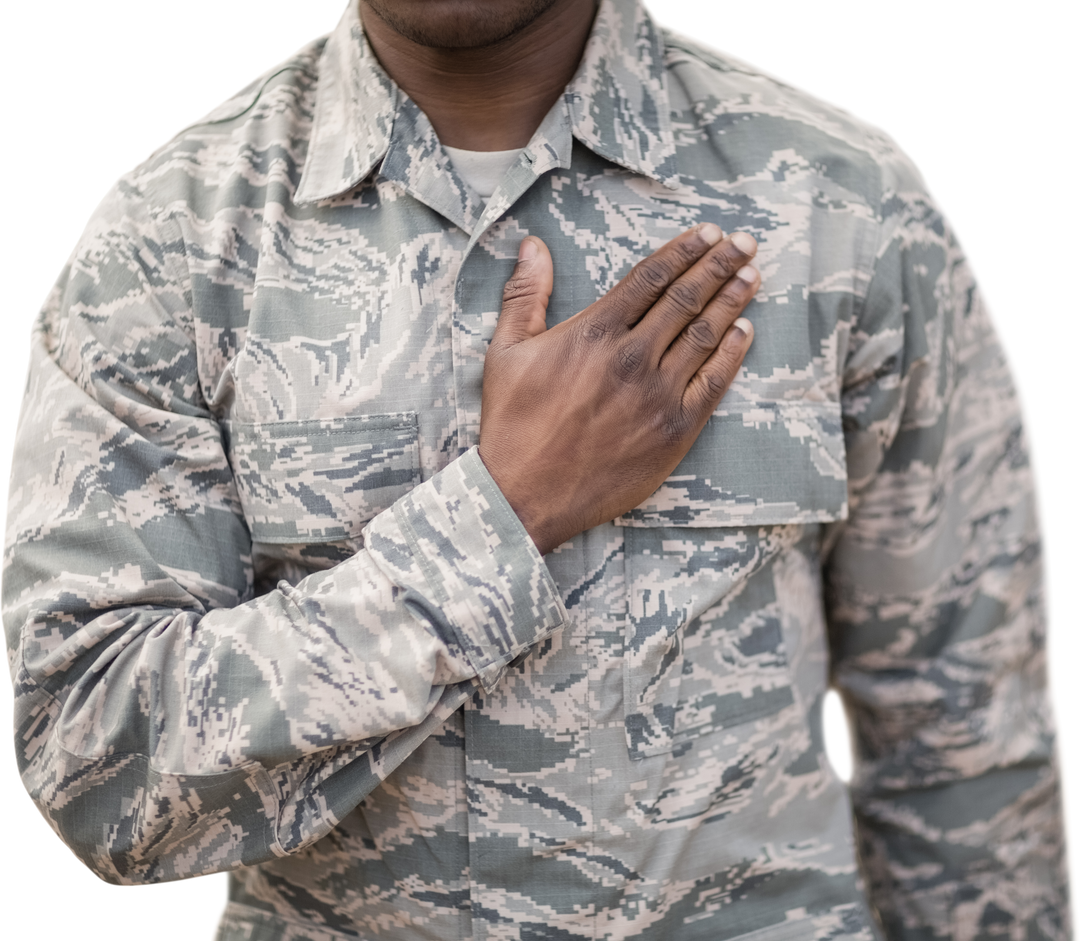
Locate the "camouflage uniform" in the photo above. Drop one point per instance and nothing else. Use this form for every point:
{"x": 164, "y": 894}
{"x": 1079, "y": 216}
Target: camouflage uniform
{"x": 267, "y": 612}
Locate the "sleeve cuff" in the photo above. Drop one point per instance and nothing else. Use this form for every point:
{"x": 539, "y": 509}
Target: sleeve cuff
{"x": 458, "y": 549}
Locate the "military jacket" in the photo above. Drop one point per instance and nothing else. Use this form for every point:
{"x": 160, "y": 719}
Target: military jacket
{"x": 268, "y": 613}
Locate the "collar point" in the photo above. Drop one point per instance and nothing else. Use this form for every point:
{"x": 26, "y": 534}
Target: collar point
{"x": 304, "y": 197}
{"x": 315, "y": 187}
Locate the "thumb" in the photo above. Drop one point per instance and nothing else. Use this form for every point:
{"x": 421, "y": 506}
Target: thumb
{"x": 526, "y": 294}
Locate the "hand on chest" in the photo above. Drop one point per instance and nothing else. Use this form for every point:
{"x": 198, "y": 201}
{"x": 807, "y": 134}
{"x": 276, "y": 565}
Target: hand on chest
{"x": 373, "y": 310}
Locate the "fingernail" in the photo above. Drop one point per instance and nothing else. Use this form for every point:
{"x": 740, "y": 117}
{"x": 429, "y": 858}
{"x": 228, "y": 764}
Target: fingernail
{"x": 747, "y": 273}
{"x": 745, "y": 326}
{"x": 710, "y": 234}
{"x": 744, "y": 242}
{"x": 527, "y": 250}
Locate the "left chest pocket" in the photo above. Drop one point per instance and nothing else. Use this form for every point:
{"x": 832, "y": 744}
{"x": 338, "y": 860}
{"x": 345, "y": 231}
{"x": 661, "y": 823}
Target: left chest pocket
{"x": 322, "y": 480}
{"x": 704, "y": 648}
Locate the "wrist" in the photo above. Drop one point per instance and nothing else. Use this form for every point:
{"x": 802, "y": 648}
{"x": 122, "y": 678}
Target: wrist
{"x": 522, "y": 498}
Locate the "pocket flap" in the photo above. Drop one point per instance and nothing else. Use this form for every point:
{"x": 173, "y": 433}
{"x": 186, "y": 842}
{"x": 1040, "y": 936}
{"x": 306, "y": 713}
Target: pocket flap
{"x": 777, "y": 462}
{"x": 321, "y": 480}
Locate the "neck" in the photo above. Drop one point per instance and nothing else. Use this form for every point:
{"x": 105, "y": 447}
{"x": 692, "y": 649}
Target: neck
{"x": 492, "y": 97}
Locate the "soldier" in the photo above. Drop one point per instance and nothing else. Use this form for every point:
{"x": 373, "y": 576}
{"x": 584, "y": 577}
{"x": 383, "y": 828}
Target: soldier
{"x": 284, "y": 600}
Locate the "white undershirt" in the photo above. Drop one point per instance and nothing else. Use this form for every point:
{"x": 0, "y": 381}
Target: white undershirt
{"x": 483, "y": 170}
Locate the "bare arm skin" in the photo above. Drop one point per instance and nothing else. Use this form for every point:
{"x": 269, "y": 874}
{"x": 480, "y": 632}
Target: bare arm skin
{"x": 582, "y": 422}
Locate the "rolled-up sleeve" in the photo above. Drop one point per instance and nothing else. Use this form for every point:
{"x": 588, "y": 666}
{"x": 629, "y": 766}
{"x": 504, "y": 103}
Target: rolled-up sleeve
{"x": 935, "y": 604}
{"x": 168, "y": 722}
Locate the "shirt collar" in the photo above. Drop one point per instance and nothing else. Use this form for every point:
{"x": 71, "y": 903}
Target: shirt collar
{"x": 617, "y": 103}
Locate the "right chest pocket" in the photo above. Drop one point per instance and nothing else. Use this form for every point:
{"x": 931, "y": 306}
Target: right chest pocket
{"x": 705, "y": 647}
{"x": 321, "y": 480}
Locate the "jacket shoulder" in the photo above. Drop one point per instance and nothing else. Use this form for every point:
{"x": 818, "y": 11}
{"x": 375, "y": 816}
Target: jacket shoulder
{"x": 228, "y": 154}
{"x": 719, "y": 89}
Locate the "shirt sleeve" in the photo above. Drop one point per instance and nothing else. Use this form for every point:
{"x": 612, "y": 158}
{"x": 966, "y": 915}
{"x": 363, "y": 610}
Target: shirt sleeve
{"x": 168, "y": 723}
{"x": 935, "y": 605}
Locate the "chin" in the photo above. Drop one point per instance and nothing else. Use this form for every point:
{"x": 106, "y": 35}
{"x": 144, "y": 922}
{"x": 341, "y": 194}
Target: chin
{"x": 459, "y": 24}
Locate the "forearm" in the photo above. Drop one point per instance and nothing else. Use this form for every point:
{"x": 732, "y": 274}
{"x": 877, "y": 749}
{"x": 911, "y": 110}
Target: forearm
{"x": 956, "y": 794}
{"x": 167, "y": 726}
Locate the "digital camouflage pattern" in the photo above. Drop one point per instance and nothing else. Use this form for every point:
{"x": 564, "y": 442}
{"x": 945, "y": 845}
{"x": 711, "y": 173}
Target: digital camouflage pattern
{"x": 267, "y": 612}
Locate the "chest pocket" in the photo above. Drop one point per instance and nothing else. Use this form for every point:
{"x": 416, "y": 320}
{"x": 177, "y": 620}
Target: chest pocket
{"x": 704, "y": 647}
{"x": 321, "y": 480}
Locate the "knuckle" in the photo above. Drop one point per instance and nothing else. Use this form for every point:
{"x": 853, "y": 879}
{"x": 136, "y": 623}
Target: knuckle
{"x": 732, "y": 299}
{"x": 594, "y": 331}
{"x": 718, "y": 378}
{"x": 702, "y": 336}
{"x": 723, "y": 262}
{"x": 687, "y": 251}
{"x": 716, "y": 384}
{"x": 629, "y": 361}
{"x": 684, "y": 297}
{"x": 676, "y": 426}
{"x": 516, "y": 288}
{"x": 653, "y": 275}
